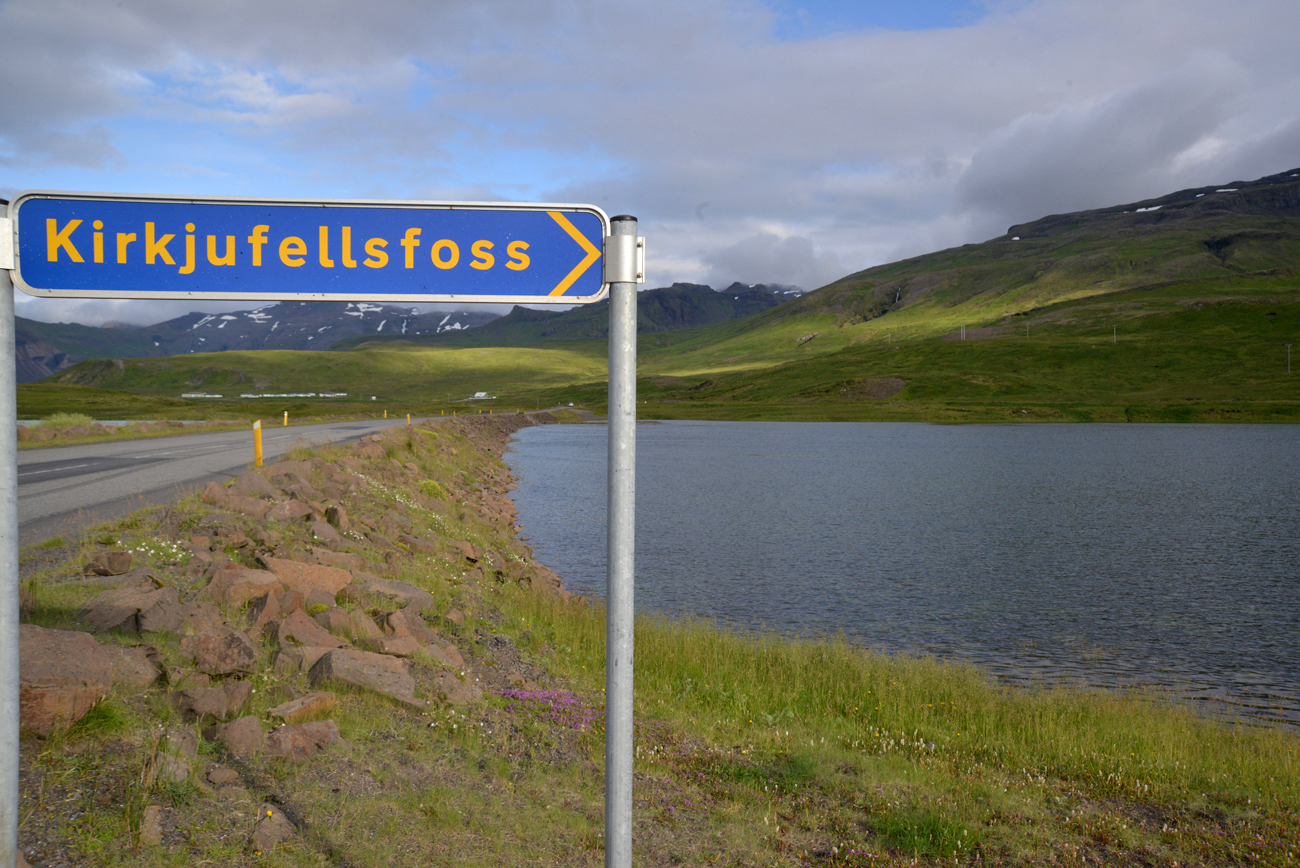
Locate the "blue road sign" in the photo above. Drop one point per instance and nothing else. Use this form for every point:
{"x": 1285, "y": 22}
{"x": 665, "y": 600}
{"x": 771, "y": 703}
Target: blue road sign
{"x": 88, "y": 245}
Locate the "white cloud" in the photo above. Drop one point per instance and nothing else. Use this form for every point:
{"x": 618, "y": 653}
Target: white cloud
{"x": 866, "y": 145}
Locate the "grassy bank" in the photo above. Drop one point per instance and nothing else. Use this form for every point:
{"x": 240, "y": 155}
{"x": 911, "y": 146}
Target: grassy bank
{"x": 751, "y": 750}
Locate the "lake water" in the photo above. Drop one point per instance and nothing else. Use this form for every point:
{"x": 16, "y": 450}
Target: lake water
{"x": 1113, "y": 554}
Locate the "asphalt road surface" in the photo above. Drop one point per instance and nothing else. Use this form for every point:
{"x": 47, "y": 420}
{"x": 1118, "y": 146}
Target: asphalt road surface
{"x": 63, "y": 489}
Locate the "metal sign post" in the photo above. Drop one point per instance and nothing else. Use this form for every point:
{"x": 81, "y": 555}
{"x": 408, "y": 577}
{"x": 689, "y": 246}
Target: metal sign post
{"x": 624, "y": 269}
{"x": 86, "y": 245}
{"x": 9, "y": 683}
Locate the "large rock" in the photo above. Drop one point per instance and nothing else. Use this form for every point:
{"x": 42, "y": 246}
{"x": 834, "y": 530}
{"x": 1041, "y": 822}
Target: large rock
{"x": 132, "y": 667}
{"x": 335, "y": 620}
{"x": 134, "y": 610}
{"x": 304, "y": 708}
{"x": 305, "y": 578}
{"x": 451, "y": 689}
{"x": 299, "y": 742}
{"x": 222, "y": 651}
{"x": 407, "y": 622}
{"x": 402, "y": 592}
{"x": 324, "y": 531}
{"x": 338, "y": 516}
{"x": 362, "y": 626}
{"x": 234, "y": 588}
{"x": 272, "y": 829}
{"x": 62, "y": 674}
{"x": 299, "y": 629}
{"x": 242, "y": 737}
{"x": 219, "y": 702}
{"x": 108, "y": 563}
{"x": 233, "y": 501}
{"x": 418, "y": 544}
{"x": 254, "y": 484}
{"x": 395, "y": 646}
{"x": 375, "y": 672}
{"x": 342, "y": 560}
{"x": 264, "y": 611}
{"x": 289, "y": 511}
{"x": 294, "y": 659}
{"x": 140, "y": 577}
{"x": 196, "y": 617}
{"x": 445, "y": 652}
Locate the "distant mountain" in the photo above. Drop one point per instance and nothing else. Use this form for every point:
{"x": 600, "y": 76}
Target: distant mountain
{"x": 1218, "y": 231}
{"x": 46, "y": 348}
{"x": 680, "y": 306}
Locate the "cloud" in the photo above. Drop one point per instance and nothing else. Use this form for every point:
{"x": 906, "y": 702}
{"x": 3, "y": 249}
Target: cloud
{"x": 839, "y": 146}
{"x": 767, "y": 258}
{"x": 1122, "y": 148}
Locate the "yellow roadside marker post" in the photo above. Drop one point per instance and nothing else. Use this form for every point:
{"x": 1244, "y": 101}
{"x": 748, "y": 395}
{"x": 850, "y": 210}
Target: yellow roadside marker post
{"x": 257, "y": 443}
{"x": 286, "y": 418}
{"x": 408, "y": 418}
{"x": 385, "y": 414}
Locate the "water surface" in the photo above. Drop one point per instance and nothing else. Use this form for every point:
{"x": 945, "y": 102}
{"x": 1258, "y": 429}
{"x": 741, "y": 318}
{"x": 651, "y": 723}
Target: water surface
{"x": 1116, "y": 554}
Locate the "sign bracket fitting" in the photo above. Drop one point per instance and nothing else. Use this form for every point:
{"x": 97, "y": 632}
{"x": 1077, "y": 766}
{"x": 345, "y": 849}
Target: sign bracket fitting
{"x": 624, "y": 259}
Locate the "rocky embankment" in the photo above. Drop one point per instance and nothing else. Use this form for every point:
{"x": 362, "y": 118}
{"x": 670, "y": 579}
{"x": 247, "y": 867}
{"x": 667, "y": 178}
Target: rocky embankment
{"x": 183, "y": 672}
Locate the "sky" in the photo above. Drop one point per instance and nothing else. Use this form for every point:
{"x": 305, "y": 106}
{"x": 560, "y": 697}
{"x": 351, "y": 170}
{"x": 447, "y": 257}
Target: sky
{"x": 777, "y": 142}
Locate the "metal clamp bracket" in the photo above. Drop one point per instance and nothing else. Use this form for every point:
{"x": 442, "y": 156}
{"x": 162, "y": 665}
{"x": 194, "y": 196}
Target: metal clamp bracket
{"x": 624, "y": 259}
{"x": 6, "y": 243}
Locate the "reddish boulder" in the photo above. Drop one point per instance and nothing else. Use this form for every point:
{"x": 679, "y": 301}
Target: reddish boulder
{"x": 342, "y": 560}
{"x": 222, "y": 651}
{"x": 218, "y": 702}
{"x": 288, "y": 511}
{"x": 451, "y": 689}
{"x": 335, "y": 620}
{"x": 324, "y": 531}
{"x": 233, "y": 501}
{"x": 418, "y": 544}
{"x": 305, "y": 578}
{"x": 445, "y": 652}
{"x": 254, "y": 484}
{"x": 402, "y": 592}
{"x": 242, "y": 737}
{"x": 134, "y": 610}
{"x": 295, "y": 659}
{"x": 298, "y": 629}
{"x": 395, "y": 646}
{"x": 196, "y": 617}
{"x": 234, "y": 588}
{"x": 379, "y": 673}
{"x": 62, "y": 674}
{"x": 407, "y": 622}
{"x": 338, "y": 517}
{"x": 264, "y": 611}
{"x": 302, "y": 741}
{"x": 273, "y": 829}
{"x": 108, "y": 563}
{"x": 304, "y": 708}
{"x": 363, "y": 627}
{"x": 132, "y": 667}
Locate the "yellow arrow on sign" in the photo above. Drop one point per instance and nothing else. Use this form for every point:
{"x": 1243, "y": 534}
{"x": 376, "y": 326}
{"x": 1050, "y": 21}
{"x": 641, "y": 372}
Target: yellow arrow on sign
{"x": 592, "y": 253}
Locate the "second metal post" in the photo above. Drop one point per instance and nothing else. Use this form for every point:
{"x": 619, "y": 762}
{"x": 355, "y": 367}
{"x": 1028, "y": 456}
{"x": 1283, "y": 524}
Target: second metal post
{"x": 622, "y": 533}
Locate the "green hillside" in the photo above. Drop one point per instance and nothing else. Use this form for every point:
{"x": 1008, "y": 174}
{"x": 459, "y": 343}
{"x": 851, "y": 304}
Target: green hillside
{"x": 1175, "y": 308}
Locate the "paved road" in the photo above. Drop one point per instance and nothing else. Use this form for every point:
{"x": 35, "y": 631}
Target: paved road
{"x": 63, "y": 489}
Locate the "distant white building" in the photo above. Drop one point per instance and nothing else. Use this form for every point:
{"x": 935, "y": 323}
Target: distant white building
{"x": 198, "y": 395}
{"x": 482, "y": 396}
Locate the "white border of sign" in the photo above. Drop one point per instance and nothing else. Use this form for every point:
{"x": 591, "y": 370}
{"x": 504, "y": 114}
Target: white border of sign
{"x": 417, "y": 204}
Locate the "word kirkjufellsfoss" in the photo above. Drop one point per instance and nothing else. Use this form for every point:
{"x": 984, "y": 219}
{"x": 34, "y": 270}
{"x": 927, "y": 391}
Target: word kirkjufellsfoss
{"x": 291, "y": 250}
